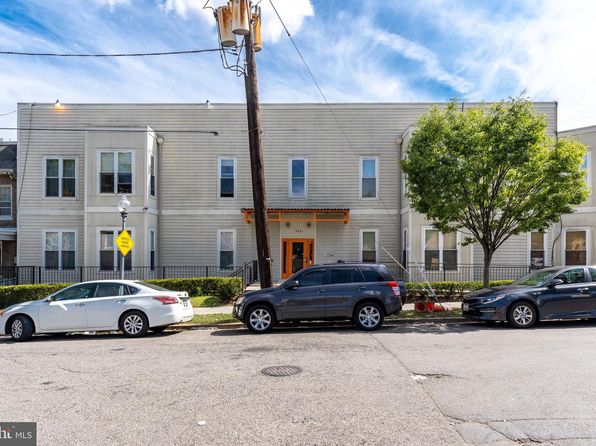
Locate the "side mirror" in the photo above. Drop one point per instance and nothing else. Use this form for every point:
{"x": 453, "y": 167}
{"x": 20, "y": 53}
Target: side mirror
{"x": 292, "y": 284}
{"x": 553, "y": 283}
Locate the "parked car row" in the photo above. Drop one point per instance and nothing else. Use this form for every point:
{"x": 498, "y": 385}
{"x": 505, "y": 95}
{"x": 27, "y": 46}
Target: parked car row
{"x": 361, "y": 292}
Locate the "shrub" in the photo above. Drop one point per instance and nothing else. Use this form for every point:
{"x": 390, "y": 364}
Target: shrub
{"x": 10, "y": 295}
{"x": 223, "y": 288}
{"x": 447, "y": 291}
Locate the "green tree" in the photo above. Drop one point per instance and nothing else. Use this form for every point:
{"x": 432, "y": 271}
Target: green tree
{"x": 493, "y": 171}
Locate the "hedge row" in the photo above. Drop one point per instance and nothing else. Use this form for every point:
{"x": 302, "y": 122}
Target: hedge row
{"x": 224, "y": 288}
{"x": 447, "y": 291}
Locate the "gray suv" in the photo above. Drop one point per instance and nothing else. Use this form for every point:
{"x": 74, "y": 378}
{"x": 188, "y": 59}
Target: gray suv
{"x": 362, "y": 292}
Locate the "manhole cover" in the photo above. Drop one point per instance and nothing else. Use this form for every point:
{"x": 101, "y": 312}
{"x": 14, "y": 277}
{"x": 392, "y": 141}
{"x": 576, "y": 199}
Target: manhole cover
{"x": 281, "y": 370}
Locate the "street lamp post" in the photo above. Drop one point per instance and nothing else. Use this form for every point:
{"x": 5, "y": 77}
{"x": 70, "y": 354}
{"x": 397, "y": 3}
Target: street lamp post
{"x": 123, "y": 205}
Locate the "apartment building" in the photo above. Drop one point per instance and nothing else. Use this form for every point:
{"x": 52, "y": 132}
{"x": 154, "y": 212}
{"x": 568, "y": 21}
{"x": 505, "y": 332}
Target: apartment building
{"x": 334, "y": 188}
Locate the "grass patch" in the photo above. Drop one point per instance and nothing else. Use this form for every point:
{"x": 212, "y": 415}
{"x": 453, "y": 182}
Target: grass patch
{"x": 205, "y": 301}
{"x": 412, "y": 314}
{"x": 210, "y": 319}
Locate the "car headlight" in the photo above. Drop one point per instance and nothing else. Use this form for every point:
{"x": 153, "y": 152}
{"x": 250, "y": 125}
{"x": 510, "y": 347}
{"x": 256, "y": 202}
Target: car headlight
{"x": 239, "y": 300}
{"x": 491, "y": 299}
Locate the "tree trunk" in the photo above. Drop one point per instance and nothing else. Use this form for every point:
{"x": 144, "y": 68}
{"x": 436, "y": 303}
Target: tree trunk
{"x": 488, "y": 255}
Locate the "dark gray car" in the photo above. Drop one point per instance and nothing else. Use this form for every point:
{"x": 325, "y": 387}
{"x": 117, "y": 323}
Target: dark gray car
{"x": 362, "y": 292}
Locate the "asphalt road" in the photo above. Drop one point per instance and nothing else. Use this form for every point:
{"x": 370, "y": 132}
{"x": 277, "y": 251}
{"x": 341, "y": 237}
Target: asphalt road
{"x": 409, "y": 385}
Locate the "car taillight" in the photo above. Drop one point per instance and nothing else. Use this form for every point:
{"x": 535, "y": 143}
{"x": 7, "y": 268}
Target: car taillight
{"x": 394, "y": 288}
{"x": 167, "y": 300}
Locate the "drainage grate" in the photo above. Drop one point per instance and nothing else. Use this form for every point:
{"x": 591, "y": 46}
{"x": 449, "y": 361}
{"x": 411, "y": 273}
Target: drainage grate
{"x": 281, "y": 370}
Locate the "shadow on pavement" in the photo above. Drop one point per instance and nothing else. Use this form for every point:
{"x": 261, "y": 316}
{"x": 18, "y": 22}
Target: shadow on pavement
{"x": 419, "y": 327}
{"x": 83, "y": 336}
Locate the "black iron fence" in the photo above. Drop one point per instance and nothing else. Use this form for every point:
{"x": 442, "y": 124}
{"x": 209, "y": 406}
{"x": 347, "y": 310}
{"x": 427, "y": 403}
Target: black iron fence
{"x": 463, "y": 273}
{"x": 20, "y": 275}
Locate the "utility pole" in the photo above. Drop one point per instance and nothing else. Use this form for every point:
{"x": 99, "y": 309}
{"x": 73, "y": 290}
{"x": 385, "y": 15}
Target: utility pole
{"x": 256, "y": 163}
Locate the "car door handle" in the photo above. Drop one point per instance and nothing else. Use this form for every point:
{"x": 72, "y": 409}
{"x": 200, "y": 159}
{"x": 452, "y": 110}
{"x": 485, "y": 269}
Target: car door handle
{"x": 79, "y": 305}
{"x": 361, "y": 288}
{"x": 121, "y": 301}
{"x": 584, "y": 290}
{"x": 320, "y": 290}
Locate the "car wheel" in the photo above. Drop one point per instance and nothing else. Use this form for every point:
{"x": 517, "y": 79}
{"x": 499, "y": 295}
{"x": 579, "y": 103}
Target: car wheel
{"x": 159, "y": 329}
{"x": 134, "y": 324}
{"x": 369, "y": 316}
{"x": 522, "y": 315}
{"x": 259, "y": 319}
{"x": 21, "y": 328}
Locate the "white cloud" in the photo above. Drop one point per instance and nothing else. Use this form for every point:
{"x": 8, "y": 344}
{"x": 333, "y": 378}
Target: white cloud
{"x": 187, "y": 8}
{"x": 112, "y": 3}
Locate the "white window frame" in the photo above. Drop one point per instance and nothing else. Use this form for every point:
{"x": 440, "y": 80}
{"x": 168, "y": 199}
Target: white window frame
{"x": 529, "y": 257}
{"x": 360, "y": 175}
{"x": 154, "y": 157}
{"x": 152, "y": 234}
{"x": 361, "y": 244}
{"x": 441, "y": 248}
{"x": 60, "y": 232}
{"x": 60, "y": 159}
{"x": 115, "y": 153}
{"x": 8, "y": 217}
{"x": 290, "y": 177}
{"x": 217, "y": 247}
{"x": 116, "y": 230}
{"x": 589, "y": 170}
{"x": 588, "y": 232}
{"x": 219, "y": 160}
{"x": 406, "y": 246}
{"x": 404, "y": 183}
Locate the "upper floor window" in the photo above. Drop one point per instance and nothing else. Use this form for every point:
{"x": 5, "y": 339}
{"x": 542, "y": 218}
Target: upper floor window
{"x": 109, "y": 256}
{"x": 537, "y": 251}
{"x": 152, "y": 185}
{"x": 298, "y": 177}
{"x": 5, "y": 202}
{"x": 226, "y": 173}
{"x": 440, "y": 249}
{"x": 226, "y": 248}
{"x": 115, "y": 172}
{"x": 576, "y": 247}
{"x": 369, "y": 177}
{"x": 368, "y": 245}
{"x": 60, "y": 177}
{"x": 587, "y": 167}
{"x": 60, "y": 249}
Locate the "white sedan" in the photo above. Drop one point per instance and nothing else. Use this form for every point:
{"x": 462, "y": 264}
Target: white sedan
{"x": 130, "y": 306}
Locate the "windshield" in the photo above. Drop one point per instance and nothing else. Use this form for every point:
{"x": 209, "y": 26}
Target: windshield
{"x": 153, "y": 287}
{"x": 535, "y": 278}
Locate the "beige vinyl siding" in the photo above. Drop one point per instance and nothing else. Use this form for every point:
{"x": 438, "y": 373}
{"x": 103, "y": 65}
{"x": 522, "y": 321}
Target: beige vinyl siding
{"x": 586, "y": 136}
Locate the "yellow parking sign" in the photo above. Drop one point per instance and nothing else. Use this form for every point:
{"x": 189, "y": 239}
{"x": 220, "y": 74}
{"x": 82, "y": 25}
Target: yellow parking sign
{"x": 124, "y": 242}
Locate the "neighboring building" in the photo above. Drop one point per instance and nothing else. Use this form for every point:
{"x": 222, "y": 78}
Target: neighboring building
{"x": 8, "y": 215}
{"x": 334, "y": 189}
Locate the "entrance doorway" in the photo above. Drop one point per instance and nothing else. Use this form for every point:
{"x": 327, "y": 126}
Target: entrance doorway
{"x": 297, "y": 253}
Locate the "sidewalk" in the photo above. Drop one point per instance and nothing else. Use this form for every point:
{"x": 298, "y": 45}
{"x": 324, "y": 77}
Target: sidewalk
{"x": 227, "y": 309}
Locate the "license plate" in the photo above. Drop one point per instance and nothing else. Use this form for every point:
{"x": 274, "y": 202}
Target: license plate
{"x": 185, "y": 303}
{"x": 465, "y": 307}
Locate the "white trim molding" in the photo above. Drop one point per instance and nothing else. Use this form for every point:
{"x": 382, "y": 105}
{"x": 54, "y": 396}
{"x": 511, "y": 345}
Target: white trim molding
{"x": 218, "y": 245}
{"x": 588, "y": 232}
{"x": 423, "y": 230}
{"x": 291, "y": 177}
{"x": 361, "y": 242}
{"x": 234, "y": 159}
{"x": 361, "y": 177}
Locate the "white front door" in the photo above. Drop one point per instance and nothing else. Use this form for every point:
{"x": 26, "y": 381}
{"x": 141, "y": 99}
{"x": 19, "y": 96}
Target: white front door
{"x": 67, "y": 309}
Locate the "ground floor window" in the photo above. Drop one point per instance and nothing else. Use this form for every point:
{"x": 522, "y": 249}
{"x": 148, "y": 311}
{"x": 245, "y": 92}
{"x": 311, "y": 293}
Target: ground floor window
{"x": 226, "y": 248}
{"x": 537, "y": 250}
{"x": 369, "y": 239}
{"x": 109, "y": 256}
{"x": 576, "y": 247}
{"x": 152, "y": 250}
{"x": 440, "y": 250}
{"x": 60, "y": 249}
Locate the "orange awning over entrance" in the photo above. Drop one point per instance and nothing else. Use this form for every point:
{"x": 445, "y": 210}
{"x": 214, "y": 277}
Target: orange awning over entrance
{"x": 304, "y": 215}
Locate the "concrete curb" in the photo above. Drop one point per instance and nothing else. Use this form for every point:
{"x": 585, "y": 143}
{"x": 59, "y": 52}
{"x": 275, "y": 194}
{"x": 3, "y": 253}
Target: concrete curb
{"x": 386, "y": 323}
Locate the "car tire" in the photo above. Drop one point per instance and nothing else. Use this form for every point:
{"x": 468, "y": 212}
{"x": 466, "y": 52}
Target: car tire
{"x": 522, "y": 315}
{"x": 134, "y": 324}
{"x": 159, "y": 329}
{"x": 21, "y": 329}
{"x": 259, "y": 319}
{"x": 369, "y": 316}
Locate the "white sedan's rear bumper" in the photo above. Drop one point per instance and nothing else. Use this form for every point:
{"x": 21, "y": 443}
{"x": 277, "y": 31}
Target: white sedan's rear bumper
{"x": 177, "y": 313}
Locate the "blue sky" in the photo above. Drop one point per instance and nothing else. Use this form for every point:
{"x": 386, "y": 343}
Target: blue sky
{"x": 365, "y": 51}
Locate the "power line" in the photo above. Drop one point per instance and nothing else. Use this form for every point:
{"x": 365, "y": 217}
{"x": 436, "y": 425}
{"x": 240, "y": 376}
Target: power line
{"x": 77, "y": 129}
{"x": 159, "y": 53}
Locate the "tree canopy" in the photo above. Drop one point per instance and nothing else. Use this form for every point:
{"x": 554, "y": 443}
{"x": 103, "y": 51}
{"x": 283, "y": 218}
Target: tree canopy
{"x": 492, "y": 170}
